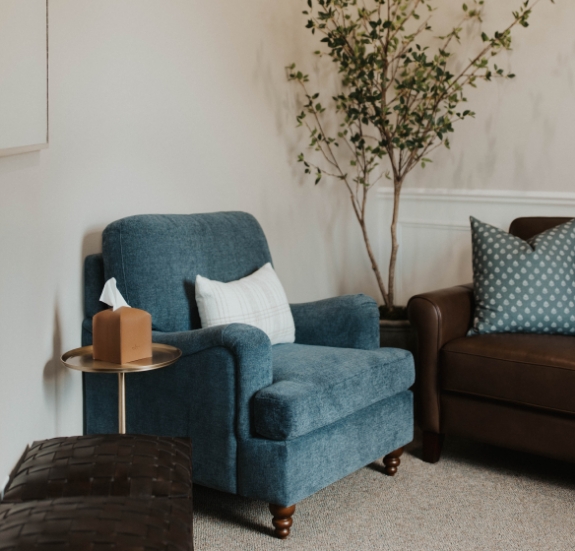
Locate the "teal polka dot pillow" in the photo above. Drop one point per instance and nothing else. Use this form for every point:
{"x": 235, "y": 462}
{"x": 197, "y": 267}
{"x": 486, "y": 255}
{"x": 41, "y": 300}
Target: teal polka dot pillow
{"x": 523, "y": 286}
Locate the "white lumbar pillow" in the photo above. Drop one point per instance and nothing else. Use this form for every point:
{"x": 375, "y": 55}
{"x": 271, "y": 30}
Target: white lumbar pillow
{"x": 258, "y": 299}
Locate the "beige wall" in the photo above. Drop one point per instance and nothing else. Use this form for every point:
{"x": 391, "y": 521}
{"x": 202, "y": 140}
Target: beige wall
{"x": 182, "y": 106}
{"x": 523, "y": 135}
{"x": 176, "y": 106}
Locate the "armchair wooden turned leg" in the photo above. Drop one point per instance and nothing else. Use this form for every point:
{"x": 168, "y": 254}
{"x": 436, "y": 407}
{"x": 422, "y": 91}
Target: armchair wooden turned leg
{"x": 432, "y": 444}
{"x": 282, "y": 520}
{"x": 392, "y": 461}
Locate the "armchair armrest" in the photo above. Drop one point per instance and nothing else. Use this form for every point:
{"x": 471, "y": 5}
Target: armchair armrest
{"x": 248, "y": 346}
{"x": 251, "y": 349}
{"x": 205, "y": 395}
{"x": 350, "y": 321}
{"x": 437, "y": 317}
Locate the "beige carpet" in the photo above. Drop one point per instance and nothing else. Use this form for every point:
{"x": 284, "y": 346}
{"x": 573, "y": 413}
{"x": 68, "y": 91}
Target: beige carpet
{"x": 477, "y": 497}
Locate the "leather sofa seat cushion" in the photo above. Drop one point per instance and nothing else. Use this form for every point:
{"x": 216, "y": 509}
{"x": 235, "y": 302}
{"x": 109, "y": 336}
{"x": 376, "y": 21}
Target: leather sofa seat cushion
{"x": 522, "y": 369}
{"x": 314, "y": 386}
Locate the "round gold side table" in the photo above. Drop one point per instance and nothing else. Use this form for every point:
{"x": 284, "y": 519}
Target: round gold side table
{"x": 81, "y": 359}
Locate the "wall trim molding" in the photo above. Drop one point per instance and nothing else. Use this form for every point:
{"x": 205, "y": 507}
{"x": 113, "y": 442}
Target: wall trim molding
{"x": 432, "y": 224}
{"x": 541, "y": 198}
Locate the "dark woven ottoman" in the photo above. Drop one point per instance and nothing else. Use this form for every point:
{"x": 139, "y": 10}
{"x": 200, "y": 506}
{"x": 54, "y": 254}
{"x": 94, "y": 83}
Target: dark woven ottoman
{"x": 97, "y": 524}
{"x": 103, "y": 465}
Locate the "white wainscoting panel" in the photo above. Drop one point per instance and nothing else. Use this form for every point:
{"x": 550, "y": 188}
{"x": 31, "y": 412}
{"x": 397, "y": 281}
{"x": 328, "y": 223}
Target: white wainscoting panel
{"x": 434, "y": 236}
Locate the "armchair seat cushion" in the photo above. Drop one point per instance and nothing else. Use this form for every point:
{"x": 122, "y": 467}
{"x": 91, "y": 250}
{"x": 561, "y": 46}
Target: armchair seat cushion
{"x": 527, "y": 370}
{"x": 314, "y": 386}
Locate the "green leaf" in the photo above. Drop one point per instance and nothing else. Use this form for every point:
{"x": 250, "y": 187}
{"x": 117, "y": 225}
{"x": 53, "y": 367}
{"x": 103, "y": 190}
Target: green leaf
{"x": 369, "y": 55}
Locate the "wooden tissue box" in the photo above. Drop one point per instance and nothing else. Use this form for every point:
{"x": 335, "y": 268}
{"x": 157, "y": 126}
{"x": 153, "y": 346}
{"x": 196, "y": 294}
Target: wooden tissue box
{"x": 122, "y": 336}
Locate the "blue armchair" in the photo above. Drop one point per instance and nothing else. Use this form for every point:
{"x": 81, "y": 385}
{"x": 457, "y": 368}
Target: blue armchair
{"x": 276, "y": 423}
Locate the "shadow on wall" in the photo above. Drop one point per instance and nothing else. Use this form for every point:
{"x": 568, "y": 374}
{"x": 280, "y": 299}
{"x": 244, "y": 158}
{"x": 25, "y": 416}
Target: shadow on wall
{"x": 16, "y": 163}
{"x": 91, "y": 244}
{"x": 55, "y": 374}
{"x": 54, "y": 371}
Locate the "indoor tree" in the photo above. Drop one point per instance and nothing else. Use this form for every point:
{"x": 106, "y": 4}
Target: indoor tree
{"x": 402, "y": 89}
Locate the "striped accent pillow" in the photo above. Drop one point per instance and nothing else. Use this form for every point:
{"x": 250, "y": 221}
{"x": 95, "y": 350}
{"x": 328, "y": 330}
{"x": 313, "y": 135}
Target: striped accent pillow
{"x": 258, "y": 299}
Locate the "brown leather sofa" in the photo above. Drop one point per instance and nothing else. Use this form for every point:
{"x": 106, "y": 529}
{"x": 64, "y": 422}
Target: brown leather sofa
{"x": 510, "y": 390}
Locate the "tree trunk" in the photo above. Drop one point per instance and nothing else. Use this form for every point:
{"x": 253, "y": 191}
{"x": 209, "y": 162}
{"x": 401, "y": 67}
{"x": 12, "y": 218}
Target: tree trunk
{"x": 394, "y": 244}
{"x": 374, "y": 265}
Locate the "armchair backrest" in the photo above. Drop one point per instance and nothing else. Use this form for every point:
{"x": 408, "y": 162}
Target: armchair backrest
{"x": 156, "y": 258}
{"x": 527, "y": 227}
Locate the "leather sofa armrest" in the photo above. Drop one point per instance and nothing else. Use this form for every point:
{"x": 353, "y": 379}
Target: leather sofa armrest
{"x": 437, "y": 318}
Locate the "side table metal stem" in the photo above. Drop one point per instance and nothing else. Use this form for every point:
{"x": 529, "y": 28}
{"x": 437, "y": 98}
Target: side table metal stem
{"x": 122, "y": 403}
{"x": 82, "y": 359}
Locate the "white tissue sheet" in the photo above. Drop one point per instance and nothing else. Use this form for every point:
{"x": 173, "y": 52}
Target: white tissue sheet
{"x": 111, "y": 296}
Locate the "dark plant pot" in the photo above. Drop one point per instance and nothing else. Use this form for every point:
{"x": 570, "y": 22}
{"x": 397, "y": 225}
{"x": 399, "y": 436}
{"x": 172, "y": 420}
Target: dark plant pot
{"x": 397, "y": 334}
